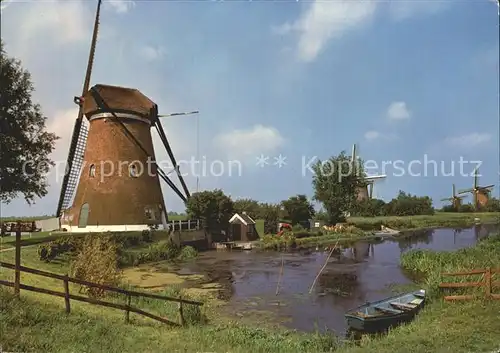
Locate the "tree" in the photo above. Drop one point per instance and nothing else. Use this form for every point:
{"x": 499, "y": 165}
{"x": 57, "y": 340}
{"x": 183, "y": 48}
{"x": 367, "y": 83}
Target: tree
{"x": 408, "y": 205}
{"x": 25, "y": 144}
{"x": 251, "y": 207}
{"x": 214, "y": 207}
{"x": 335, "y": 185}
{"x": 298, "y": 209}
{"x": 271, "y": 215}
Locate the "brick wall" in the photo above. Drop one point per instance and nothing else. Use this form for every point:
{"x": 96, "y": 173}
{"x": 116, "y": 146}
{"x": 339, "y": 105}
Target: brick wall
{"x": 118, "y": 198}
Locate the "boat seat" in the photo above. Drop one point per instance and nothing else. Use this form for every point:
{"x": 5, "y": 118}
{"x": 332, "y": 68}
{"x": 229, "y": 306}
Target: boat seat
{"x": 404, "y": 306}
{"x": 387, "y": 310}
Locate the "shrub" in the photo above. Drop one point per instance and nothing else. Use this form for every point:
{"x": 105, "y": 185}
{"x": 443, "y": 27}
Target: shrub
{"x": 187, "y": 253}
{"x": 97, "y": 262}
{"x": 49, "y": 251}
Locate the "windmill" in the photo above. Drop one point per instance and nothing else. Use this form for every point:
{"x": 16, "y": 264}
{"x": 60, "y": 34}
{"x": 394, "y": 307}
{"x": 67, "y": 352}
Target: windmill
{"x": 480, "y": 194}
{"x": 456, "y": 200}
{"x": 365, "y": 192}
{"x": 112, "y": 179}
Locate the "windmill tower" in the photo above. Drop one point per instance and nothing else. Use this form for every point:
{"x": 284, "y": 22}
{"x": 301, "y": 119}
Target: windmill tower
{"x": 112, "y": 180}
{"x": 456, "y": 200}
{"x": 480, "y": 194}
{"x": 365, "y": 192}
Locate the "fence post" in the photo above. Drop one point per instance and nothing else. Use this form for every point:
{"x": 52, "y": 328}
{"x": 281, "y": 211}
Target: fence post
{"x": 487, "y": 278}
{"x": 66, "y": 294}
{"x": 189, "y": 224}
{"x": 17, "y": 281}
{"x": 181, "y": 313}
{"x": 127, "y": 313}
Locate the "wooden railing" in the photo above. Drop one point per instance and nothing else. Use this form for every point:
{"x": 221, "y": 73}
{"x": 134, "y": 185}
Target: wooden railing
{"x": 487, "y": 283}
{"x": 68, "y": 296}
{"x": 190, "y": 224}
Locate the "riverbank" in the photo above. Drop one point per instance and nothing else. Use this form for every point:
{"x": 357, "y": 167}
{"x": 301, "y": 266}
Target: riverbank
{"x": 367, "y": 228}
{"x": 454, "y": 327}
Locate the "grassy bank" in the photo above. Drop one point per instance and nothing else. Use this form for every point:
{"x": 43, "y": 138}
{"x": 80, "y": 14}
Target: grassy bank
{"x": 38, "y": 322}
{"x": 440, "y": 219}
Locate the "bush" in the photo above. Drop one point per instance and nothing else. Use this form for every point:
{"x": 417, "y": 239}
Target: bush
{"x": 49, "y": 251}
{"x": 97, "y": 262}
{"x": 403, "y": 205}
{"x": 156, "y": 252}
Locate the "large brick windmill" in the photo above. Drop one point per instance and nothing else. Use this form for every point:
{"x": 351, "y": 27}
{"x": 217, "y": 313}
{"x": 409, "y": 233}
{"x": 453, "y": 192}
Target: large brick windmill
{"x": 112, "y": 180}
{"x": 365, "y": 192}
{"x": 480, "y": 194}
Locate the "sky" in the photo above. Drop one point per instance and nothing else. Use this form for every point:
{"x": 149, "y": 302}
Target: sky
{"x": 410, "y": 82}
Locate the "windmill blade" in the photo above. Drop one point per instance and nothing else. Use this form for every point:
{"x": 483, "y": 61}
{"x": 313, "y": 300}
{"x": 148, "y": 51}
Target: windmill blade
{"x": 375, "y": 177}
{"x": 486, "y": 187}
{"x": 79, "y": 137}
{"x": 448, "y": 199}
{"x": 453, "y": 190}
{"x": 465, "y": 191}
{"x": 460, "y": 196}
{"x": 475, "y": 177}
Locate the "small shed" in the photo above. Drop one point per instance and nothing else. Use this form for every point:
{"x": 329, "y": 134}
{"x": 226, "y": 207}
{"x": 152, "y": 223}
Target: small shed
{"x": 243, "y": 228}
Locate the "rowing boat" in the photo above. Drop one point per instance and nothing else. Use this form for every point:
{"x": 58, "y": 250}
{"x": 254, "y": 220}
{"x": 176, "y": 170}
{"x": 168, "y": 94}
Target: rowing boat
{"x": 383, "y": 314}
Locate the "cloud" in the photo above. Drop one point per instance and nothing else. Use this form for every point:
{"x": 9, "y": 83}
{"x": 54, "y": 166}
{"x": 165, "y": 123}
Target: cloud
{"x": 151, "y": 53}
{"x": 62, "y": 21}
{"x": 470, "y": 140}
{"x": 5, "y": 4}
{"x": 323, "y": 21}
{"x": 250, "y": 142}
{"x": 398, "y": 111}
{"x": 402, "y": 10}
{"x": 373, "y": 135}
{"x": 121, "y": 6}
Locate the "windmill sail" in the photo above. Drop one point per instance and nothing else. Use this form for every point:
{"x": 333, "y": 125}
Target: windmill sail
{"x": 79, "y": 138}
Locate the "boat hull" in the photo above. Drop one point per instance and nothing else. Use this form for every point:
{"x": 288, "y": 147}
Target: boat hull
{"x": 381, "y": 323}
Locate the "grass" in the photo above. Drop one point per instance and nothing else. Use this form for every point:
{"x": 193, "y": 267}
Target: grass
{"x": 38, "y": 323}
{"x": 440, "y": 219}
{"x": 25, "y": 219}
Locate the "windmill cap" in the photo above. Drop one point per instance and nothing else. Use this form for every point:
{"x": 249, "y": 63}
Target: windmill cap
{"x": 118, "y": 98}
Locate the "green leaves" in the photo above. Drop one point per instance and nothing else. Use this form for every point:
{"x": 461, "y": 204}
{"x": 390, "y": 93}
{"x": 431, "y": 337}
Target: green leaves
{"x": 24, "y": 142}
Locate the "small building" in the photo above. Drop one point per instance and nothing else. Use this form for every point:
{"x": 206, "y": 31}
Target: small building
{"x": 242, "y": 228}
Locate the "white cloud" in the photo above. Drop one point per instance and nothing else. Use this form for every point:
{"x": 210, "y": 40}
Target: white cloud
{"x": 250, "y": 142}
{"x": 398, "y": 111}
{"x": 470, "y": 140}
{"x": 373, "y": 135}
{"x": 151, "y": 53}
{"x": 61, "y": 124}
{"x": 61, "y": 21}
{"x": 121, "y": 6}
{"x": 323, "y": 21}
{"x": 401, "y": 10}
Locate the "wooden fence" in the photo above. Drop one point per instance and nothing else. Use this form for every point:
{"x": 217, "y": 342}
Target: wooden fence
{"x": 68, "y": 296}
{"x": 487, "y": 283}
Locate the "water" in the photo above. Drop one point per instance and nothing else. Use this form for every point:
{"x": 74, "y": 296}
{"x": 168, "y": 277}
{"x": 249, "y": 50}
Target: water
{"x": 362, "y": 273}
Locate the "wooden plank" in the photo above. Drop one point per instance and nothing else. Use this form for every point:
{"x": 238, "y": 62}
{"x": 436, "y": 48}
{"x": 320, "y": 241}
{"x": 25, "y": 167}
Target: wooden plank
{"x": 464, "y": 273}
{"x": 91, "y": 301}
{"x": 458, "y": 297}
{"x": 66, "y": 295}
{"x": 101, "y": 286}
{"x": 495, "y": 296}
{"x": 487, "y": 280}
{"x": 495, "y": 284}
{"x": 461, "y": 285}
{"x": 17, "y": 267}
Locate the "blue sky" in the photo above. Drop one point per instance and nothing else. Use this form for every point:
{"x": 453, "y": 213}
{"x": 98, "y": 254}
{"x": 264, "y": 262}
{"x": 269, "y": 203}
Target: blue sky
{"x": 403, "y": 80}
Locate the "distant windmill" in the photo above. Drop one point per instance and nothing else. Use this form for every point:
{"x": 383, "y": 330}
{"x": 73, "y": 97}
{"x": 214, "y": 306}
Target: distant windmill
{"x": 365, "y": 192}
{"x": 456, "y": 200}
{"x": 480, "y": 194}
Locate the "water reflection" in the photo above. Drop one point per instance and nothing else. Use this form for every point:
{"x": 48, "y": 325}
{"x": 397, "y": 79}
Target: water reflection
{"x": 359, "y": 273}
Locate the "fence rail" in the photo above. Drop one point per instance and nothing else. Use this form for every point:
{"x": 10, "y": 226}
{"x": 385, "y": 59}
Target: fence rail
{"x": 67, "y": 296}
{"x": 487, "y": 283}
